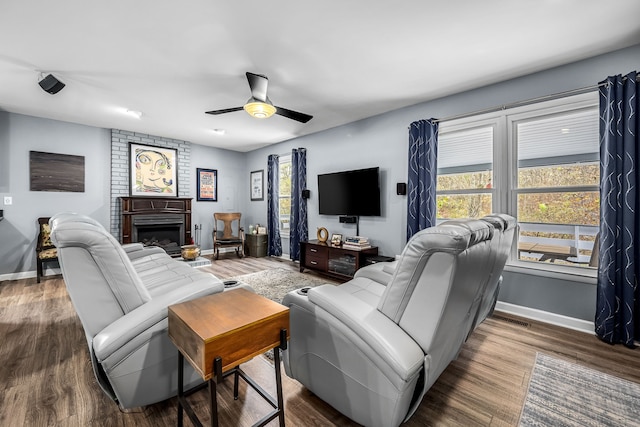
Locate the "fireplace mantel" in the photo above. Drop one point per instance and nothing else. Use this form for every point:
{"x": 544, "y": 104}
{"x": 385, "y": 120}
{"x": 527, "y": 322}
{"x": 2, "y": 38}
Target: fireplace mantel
{"x": 133, "y": 206}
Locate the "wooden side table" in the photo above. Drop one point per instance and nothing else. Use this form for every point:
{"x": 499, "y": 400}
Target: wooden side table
{"x": 217, "y": 333}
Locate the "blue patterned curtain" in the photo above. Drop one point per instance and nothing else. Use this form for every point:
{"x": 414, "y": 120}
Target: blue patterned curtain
{"x": 423, "y": 153}
{"x": 274, "y": 244}
{"x": 299, "y": 231}
{"x": 617, "y": 314}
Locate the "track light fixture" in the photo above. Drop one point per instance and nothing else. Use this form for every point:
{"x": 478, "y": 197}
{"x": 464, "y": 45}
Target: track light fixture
{"x": 51, "y": 85}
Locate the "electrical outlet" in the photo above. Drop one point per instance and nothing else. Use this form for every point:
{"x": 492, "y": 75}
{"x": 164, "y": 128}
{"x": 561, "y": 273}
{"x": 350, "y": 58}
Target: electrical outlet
{"x": 8, "y": 200}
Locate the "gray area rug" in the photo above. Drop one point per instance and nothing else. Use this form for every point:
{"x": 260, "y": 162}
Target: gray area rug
{"x": 562, "y": 393}
{"x": 275, "y": 283}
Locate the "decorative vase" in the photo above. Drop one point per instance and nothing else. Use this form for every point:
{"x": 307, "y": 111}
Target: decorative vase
{"x": 190, "y": 252}
{"x": 323, "y": 234}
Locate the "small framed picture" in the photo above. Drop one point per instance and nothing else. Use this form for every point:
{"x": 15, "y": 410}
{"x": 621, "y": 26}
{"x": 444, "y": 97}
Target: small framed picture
{"x": 207, "y": 187}
{"x": 256, "y": 180}
{"x": 336, "y": 239}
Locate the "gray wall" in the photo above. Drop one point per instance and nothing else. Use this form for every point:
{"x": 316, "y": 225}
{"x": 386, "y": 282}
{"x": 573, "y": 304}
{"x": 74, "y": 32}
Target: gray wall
{"x": 20, "y": 134}
{"x": 383, "y": 141}
{"x": 4, "y": 153}
{"x": 233, "y": 187}
{"x": 378, "y": 141}
{"x": 18, "y": 230}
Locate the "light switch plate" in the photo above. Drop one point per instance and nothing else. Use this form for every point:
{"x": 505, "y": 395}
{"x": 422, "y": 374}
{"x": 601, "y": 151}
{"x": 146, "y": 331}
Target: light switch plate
{"x": 8, "y": 200}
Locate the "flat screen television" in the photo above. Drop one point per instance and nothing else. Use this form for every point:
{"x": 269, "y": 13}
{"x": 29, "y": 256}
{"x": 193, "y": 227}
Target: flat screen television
{"x": 352, "y": 193}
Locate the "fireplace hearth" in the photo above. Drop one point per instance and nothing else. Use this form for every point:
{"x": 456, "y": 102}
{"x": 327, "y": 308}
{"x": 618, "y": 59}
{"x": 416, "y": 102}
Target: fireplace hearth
{"x": 155, "y": 221}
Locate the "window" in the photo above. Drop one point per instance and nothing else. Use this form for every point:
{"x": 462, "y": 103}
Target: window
{"x": 538, "y": 163}
{"x": 557, "y": 188}
{"x": 465, "y": 174}
{"x": 284, "y": 205}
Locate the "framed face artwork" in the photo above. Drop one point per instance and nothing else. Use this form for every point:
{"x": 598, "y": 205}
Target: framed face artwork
{"x": 207, "y": 186}
{"x": 153, "y": 171}
{"x": 256, "y": 180}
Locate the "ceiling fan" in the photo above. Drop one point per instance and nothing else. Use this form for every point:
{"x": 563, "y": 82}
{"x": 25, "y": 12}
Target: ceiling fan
{"x": 259, "y": 105}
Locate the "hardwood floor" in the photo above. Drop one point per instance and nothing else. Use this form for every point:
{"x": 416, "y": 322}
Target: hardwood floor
{"x": 46, "y": 377}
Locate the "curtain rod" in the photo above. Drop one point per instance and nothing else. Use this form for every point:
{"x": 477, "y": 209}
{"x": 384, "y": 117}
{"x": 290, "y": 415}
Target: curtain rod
{"x": 528, "y": 101}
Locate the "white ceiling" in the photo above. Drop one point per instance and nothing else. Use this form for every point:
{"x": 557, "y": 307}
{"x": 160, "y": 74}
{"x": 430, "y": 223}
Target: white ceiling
{"x": 338, "y": 60}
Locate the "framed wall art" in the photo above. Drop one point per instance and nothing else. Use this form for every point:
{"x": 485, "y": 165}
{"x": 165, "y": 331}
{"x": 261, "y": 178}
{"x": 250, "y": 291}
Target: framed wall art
{"x": 256, "y": 180}
{"x": 207, "y": 186}
{"x": 153, "y": 171}
{"x": 56, "y": 172}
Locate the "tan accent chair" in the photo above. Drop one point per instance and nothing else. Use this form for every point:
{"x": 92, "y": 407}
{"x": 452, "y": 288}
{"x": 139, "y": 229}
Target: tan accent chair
{"x": 45, "y": 251}
{"x": 231, "y": 235}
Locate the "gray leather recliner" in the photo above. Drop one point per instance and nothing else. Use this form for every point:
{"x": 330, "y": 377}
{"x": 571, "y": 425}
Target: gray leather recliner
{"x": 372, "y": 347}
{"x": 121, "y": 295}
{"x": 503, "y": 240}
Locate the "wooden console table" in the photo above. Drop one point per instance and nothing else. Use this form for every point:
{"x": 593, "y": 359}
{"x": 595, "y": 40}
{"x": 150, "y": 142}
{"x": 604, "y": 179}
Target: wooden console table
{"x": 217, "y": 333}
{"x": 334, "y": 261}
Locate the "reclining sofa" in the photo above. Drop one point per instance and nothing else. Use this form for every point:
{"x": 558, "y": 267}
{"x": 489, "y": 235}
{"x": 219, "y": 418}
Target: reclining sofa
{"x": 121, "y": 294}
{"x": 374, "y": 345}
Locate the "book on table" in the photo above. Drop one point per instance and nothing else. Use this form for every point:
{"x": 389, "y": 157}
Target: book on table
{"x": 356, "y": 240}
{"x": 355, "y": 247}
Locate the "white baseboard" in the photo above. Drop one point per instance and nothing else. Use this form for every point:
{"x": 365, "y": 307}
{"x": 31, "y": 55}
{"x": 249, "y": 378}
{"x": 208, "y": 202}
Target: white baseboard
{"x": 547, "y": 317}
{"x": 28, "y": 274}
{"x": 17, "y": 276}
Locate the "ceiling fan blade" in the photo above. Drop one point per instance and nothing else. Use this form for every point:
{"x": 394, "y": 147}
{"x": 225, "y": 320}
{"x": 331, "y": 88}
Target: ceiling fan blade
{"x": 226, "y": 110}
{"x": 258, "y": 85}
{"x": 294, "y": 115}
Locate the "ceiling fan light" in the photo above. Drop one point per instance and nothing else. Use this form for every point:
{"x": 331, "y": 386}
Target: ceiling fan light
{"x": 260, "y": 110}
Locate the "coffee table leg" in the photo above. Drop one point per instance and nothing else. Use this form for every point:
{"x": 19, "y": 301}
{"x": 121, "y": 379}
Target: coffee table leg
{"x": 213, "y": 402}
{"x": 236, "y": 375}
{"x": 276, "y": 360}
{"x": 213, "y": 397}
{"x": 180, "y": 387}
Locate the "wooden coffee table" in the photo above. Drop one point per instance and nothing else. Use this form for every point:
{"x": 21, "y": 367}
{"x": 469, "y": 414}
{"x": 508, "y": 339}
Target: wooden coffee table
{"x": 217, "y": 333}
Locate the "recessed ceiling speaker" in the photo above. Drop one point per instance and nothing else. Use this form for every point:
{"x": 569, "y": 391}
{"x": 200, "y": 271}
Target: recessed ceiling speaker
{"x": 51, "y": 85}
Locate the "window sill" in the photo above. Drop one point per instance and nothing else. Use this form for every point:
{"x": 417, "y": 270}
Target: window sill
{"x": 560, "y": 272}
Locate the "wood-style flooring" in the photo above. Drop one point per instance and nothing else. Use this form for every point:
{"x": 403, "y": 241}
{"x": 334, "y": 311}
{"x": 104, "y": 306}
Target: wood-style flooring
{"x": 46, "y": 377}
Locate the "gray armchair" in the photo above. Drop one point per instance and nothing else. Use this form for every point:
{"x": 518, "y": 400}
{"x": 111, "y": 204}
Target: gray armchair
{"x": 372, "y": 347}
{"x": 121, "y": 295}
